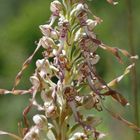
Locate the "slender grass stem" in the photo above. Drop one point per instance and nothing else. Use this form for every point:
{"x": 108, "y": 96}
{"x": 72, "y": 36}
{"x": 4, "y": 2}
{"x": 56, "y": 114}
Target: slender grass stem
{"x": 134, "y": 72}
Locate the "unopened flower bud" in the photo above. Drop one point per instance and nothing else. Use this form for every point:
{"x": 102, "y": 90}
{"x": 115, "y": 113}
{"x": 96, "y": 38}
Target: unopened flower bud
{"x": 56, "y": 7}
{"x": 40, "y": 121}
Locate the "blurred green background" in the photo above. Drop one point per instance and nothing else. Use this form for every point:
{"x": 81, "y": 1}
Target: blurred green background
{"x": 19, "y": 21}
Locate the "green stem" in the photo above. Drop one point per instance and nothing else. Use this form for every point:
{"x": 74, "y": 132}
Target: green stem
{"x": 133, "y": 73}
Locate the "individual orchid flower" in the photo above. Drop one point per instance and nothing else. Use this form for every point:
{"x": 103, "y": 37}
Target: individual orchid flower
{"x": 47, "y": 30}
{"x": 55, "y": 8}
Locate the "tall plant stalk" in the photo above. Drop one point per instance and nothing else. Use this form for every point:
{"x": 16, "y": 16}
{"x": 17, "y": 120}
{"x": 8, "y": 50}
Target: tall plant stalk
{"x": 66, "y": 78}
{"x": 133, "y": 73}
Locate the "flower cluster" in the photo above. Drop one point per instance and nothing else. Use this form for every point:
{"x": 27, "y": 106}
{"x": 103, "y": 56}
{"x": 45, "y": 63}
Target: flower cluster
{"x": 66, "y": 77}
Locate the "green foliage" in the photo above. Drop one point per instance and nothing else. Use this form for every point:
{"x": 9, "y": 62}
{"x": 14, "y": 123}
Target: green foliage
{"x": 19, "y": 30}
